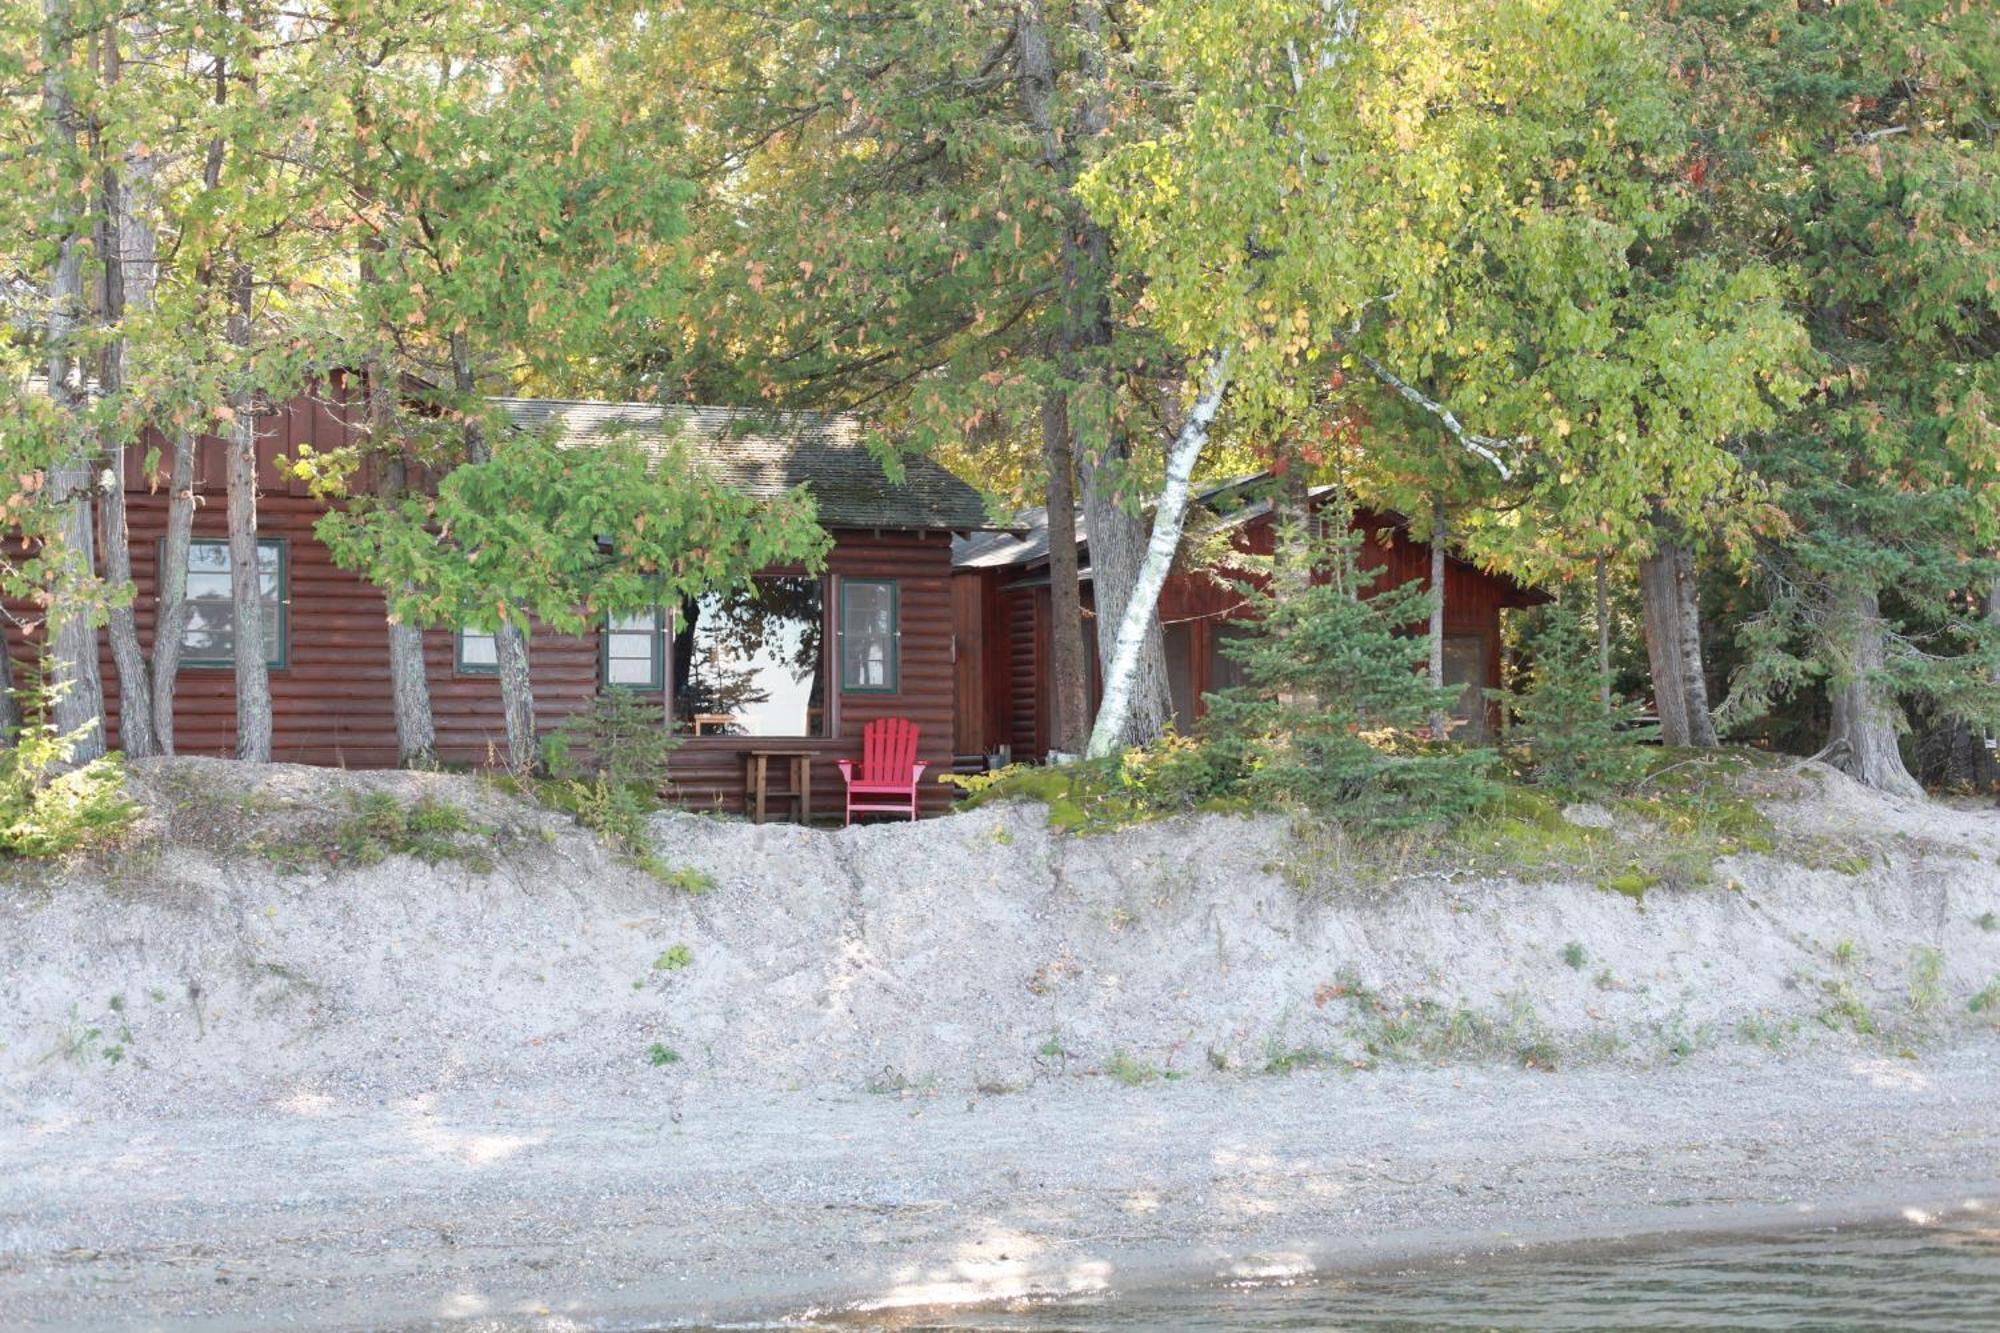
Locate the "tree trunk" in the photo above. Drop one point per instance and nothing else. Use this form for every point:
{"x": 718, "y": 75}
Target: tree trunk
{"x": 253, "y": 677}
{"x": 78, "y": 706}
{"x": 409, "y": 685}
{"x": 170, "y": 608}
{"x": 1082, "y": 325}
{"x": 1118, "y": 551}
{"x": 1673, "y": 645}
{"x": 1138, "y": 621}
{"x": 10, "y": 707}
{"x": 1440, "y": 721}
{"x": 1069, "y": 699}
{"x": 510, "y": 642}
{"x": 1862, "y": 741}
{"x": 128, "y": 252}
{"x": 1603, "y": 637}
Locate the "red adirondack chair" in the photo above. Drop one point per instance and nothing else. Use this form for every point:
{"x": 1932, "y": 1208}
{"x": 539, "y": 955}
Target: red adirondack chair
{"x": 889, "y": 769}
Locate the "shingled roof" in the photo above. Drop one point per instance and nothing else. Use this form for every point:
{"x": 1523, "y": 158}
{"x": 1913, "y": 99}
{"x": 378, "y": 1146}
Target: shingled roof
{"x": 767, "y": 453}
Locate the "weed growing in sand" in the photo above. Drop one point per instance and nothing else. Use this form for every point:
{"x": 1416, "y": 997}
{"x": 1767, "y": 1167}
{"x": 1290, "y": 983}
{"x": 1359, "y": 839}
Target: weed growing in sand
{"x": 1988, "y": 921}
{"x": 1846, "y": 953}
{"x": 1052, "y": 1048}
{"x": 1926, "y": 979}
{"x": 674, "y": 959}
{"x": 659, "y": 1055}
{"x": 685, "y": 879}
{"x": 1844, "y": 1008}
{"x": 1574, "y": 955}
{"x": 1987, "y": 1001}
{"x": 888, "y": 1082}
{"x": 1674, "y": 1041}
{"x": 1282, "y": 1059}
{"x": 1759, "y": 1030}
{"x": 1129, "y": 1070}
{"x": 379, "y": 826}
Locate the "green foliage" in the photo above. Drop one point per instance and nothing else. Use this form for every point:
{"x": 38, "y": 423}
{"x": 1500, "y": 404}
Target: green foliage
{"x": 1854, "y": 143}
{"x": 621, "y": 737}
{"x": 1335, "y": 715}
{"x": 51, "y": 808}
{"x": 565, "y": 536}
{"x": 674, "y": 959}
{"x": 660, "y": 1055}
{"x": 1174, "y": 776}
{"x": 379, "y": 826}
{"x": 1564, "y": 738}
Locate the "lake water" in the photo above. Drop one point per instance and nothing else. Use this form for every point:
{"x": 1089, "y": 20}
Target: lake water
{"x": 1926, "y": 1278}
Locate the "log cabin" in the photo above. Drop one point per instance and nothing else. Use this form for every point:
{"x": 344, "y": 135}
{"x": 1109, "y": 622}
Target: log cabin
{"x": 1001, "y": 608}
{"x": 800, "y": 664}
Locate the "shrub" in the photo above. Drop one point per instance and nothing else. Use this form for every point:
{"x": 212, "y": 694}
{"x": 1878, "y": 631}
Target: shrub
{"x": 610, "y": 764}
{"x": 1564, "y": 738}
{"x": 621, "y": 738}
{"x": 49, "y": 809}
{"x": 1336, "y": 714}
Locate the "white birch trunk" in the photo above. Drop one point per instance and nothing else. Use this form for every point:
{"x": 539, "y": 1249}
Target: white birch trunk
{"x": 1169, "y": 516}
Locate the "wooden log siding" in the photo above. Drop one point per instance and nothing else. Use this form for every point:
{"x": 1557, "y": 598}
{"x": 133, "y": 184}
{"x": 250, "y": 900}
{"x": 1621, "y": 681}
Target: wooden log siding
{"x": 330, "y": 701}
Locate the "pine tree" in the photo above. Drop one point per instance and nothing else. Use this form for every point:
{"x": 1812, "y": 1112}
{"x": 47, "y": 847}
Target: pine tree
{"x": 1564, "y": 737}
{"x": 1337, "y": 713}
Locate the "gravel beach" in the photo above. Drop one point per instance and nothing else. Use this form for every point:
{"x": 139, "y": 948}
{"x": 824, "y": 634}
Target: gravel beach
{"x": 560, "y": 1211}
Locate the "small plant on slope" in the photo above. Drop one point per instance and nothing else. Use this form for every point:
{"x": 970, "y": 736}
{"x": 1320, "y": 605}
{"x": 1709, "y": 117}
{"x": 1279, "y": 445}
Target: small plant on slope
{"x": 1564, "y": 738}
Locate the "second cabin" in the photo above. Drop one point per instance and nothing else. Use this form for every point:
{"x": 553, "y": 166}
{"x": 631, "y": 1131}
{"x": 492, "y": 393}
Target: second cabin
{"x": 1003, "y": 617}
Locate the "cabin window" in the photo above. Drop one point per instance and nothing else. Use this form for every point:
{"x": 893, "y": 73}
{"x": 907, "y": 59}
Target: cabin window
{"x": 868, "y": 635}
{"x": 209, "y": 637}
{"x": 752, "y": 661}
{"x": 634, "y": 652}
{"x": 477, "y": 653}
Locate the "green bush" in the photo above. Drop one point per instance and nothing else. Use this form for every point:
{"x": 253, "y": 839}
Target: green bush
{"x": 48, "y": 808}
{"x": 610, "y": 764}
{"x": 1336, "y": 714}
{"x": 621, "y": 739}
{"x": 1564, "y": 738}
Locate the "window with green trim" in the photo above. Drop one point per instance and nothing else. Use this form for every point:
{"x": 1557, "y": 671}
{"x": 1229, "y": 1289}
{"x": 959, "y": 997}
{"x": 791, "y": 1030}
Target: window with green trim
{"x": 869, "y": 635}
{"x": 634, "y": 652}
{"x": 209, "y": 637}
{"x": 476, "y": 653}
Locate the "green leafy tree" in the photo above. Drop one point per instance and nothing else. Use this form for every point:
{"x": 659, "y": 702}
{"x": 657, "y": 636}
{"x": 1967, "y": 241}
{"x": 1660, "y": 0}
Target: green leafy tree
{"x": 1466, "y": 214}
{"x": 564, "y": 537}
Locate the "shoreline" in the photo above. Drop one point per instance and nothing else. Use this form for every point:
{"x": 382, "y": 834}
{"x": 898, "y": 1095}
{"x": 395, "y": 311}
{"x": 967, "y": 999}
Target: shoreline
{"x": 595, "y": 1208}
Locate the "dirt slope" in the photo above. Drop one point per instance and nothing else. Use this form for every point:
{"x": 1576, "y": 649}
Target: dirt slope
{"x": 223, "y": 963}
